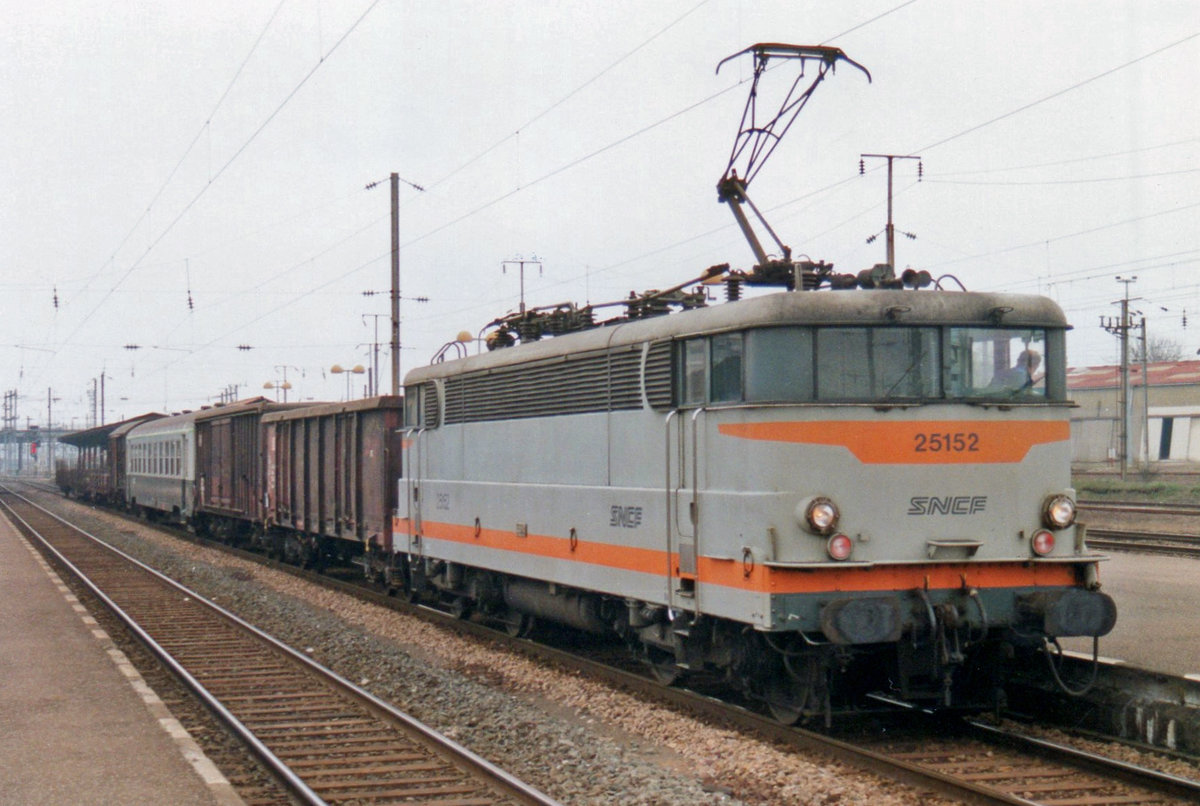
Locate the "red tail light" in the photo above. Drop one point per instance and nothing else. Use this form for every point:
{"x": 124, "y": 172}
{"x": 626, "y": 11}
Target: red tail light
{"x": 839, "y": 547}
{"x": 1043, "y": 542}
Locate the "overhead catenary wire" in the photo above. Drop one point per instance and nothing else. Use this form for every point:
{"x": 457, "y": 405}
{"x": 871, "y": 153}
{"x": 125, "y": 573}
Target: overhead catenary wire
{"x": 246, "y": 144}
{"x": 1073, "y": 160}
{"x": 1045, "y": 182}
{"x": 570, "y": 95}
{"x": 565, "y": 167}
{"x": 532, "y": 120}
{"x": 188, "y": 150}
{"x": 1059, "y": 93}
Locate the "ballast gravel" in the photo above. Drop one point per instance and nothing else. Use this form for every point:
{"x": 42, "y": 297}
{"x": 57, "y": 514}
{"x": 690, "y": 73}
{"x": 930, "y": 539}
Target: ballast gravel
{"x": 578, "y": 740}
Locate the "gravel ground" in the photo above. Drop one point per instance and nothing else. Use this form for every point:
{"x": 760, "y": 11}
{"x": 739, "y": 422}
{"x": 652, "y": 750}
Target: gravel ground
{"x": 579, "y": 741}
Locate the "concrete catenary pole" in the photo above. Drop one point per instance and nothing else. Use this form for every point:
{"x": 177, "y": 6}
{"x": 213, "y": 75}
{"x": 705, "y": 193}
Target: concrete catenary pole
{"x": 395, "y": 284}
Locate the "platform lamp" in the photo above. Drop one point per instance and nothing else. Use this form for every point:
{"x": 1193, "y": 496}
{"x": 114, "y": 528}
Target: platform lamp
{"x": 338, "y": 369}
{"x": 277, "y": 385}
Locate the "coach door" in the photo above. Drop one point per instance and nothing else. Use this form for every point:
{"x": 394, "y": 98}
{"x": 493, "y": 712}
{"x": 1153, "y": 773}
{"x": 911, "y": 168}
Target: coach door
{"x": 408, "y": 506}
{"x": 683, "y": 505}
{"x": 410, "y": 488}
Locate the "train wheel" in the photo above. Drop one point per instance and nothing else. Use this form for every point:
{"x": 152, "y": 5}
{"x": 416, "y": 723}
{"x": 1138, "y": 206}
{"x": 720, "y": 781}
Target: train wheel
{"x": 663, "y": 666}
{"x": 518, "y": 625}
{"x": 460, "y": 607}
{"x": 784, "y": 713}
{"x": 792, "y": 696}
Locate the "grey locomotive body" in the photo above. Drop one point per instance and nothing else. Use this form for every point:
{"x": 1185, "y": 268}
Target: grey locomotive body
{"x": 806, "y": 492}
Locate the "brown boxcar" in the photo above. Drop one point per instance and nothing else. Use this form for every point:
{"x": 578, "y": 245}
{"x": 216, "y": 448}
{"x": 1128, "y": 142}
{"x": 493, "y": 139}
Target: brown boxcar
{"x": 97, "y": 472}
{"x": 229, "y": 466}
{"x": 331, "y": 472}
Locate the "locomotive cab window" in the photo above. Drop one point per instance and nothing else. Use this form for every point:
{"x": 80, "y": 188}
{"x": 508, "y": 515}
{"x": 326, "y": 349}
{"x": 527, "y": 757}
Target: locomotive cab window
{"x": 779, "y": 365}
{"x": 878, "y": 363}
{"x": 413, "y": 409}
{"x": 711, "y": 370}
{"x": 1005, "y": 363}
{"x": 845, "y": 364}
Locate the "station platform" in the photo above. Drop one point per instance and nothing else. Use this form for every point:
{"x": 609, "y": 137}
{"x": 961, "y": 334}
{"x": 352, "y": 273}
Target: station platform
{"x": 78, "y": 724}
{"x": 1157, "y": 599}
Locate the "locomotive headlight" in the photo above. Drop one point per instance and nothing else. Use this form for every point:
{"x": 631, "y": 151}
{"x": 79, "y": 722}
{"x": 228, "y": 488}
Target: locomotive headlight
{"x": 821, "y": 515}
{"x": 1058, "y": 512}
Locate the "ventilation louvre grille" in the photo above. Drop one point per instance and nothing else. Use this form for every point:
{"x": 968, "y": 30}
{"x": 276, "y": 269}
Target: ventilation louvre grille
{"x": 431, "y": 404}
{"x": 597, "y": 382}
{"x": 658, "y": 376}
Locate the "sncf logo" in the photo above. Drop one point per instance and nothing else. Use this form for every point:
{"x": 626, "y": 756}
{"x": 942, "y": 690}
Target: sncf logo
{"x": 627, "y": 517}
{"x": 947, "y": 505}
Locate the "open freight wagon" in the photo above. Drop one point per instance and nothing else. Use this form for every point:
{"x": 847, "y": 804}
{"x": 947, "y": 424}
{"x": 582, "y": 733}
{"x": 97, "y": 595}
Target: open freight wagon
{"x": 330, "y": 475}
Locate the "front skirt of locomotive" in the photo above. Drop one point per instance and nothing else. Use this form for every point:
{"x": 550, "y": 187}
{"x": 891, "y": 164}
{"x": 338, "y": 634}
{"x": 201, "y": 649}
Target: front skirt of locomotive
{"x": 1031, "y": 601}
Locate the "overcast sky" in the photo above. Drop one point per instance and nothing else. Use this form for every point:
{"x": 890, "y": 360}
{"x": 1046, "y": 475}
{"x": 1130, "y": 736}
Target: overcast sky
{"x": 190, "y": 179}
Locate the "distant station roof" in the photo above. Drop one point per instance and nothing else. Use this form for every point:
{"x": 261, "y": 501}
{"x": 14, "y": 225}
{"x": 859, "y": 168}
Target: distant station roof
{"x": 97, "y": 436}
{"x": 1162, "y": 373}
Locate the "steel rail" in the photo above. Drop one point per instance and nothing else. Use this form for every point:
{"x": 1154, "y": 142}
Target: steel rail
{"x": 505, "y": 782}
{"x": 1168, "y": 543}
{"x": 1161, "y": 782}
{"x": 1140, "y": 507}
{"x": 691, "y": 702}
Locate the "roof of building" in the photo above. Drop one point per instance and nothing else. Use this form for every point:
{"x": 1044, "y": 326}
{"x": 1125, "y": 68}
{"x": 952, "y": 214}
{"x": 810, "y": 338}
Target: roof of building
{"x": 1162, "y": 373}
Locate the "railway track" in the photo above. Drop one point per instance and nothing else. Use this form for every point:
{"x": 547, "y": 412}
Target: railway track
{"x": 326, "y": 740}
{"x": 1140, "y": 508}
{"x": 1170, "y": 543}
{"x": 1014, "y": 768}
{"x": 1174, "y": 527}
{"x": 976, "y": 766}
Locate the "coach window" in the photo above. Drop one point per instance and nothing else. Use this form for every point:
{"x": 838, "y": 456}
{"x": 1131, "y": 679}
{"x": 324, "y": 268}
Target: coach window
{"x": 779, "y": 364}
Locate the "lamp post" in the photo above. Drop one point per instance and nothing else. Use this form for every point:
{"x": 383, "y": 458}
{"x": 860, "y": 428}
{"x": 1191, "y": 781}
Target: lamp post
{"x": 338, "y": 369}
{"x": 277, "y": 385}
{"x": 284, "y": 385}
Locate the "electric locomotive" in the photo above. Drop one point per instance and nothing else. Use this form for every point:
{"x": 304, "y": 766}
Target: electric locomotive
{"x": 793, "y": 490}
{"x": 857, "y": 484}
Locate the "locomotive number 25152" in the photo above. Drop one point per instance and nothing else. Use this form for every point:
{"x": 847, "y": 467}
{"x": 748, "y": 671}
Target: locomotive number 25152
{"x": 946, "y": 443}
